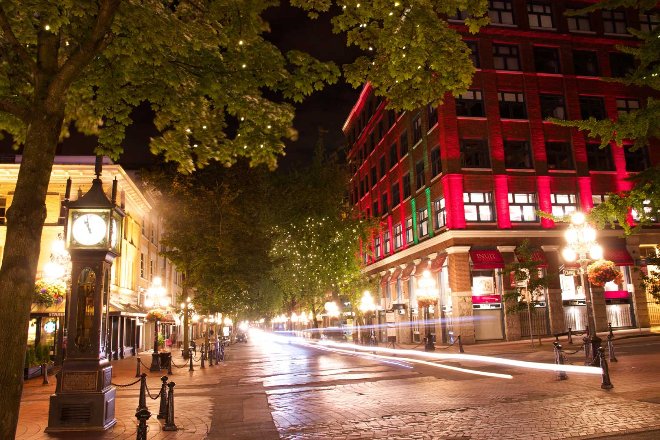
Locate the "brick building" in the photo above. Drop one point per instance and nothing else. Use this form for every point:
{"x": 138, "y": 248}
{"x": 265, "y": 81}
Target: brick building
{"x": 457, "y": 187}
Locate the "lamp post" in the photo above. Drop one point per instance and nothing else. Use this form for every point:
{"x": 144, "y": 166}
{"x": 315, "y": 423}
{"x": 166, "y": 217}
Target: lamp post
{"x": 156, "y": 298}
{"x": 332, "y": 310}
{"x": 367, "y": 306}
{"x": 187, "y": 308}
{"x": 582, "y": 247}
{"x": 427, "y": 295}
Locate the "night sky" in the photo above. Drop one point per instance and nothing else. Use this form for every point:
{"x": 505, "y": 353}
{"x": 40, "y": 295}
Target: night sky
{"x": 326, "y": 110}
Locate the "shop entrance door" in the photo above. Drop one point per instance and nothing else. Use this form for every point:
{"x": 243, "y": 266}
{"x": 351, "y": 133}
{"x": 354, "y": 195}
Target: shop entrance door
{"x": 488, "y": 323}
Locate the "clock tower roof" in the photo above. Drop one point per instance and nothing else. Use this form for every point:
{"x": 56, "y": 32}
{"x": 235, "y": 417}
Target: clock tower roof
{"x": 94, "y": 198}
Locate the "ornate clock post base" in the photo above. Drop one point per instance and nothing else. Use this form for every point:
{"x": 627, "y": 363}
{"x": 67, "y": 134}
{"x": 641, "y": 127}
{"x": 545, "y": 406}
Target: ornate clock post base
{"x": 84, "y": 399}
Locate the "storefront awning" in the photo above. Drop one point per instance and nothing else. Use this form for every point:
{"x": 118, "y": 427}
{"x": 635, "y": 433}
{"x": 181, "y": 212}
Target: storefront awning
{"x": 54, "y": 310}
{"x": 619, "y": 256}
{"x": 438, "y": 262}
{"x": 407, "y": 271}
{"x": 485, "y": 259}
{"x": 538, "y": 256}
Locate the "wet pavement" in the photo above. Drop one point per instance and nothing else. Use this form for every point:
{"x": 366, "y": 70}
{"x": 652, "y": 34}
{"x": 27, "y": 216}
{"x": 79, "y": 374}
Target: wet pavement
{"x": 270, "y": 388}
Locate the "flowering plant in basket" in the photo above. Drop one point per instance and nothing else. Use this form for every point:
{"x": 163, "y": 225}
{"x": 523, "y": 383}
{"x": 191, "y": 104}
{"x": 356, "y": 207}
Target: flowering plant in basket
{"x": 155, "y": 315}
{"x": 49, "y": 292}
{"x": 603, "y": 271}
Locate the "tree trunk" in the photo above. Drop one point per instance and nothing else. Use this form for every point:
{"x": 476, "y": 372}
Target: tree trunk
{"x": 25, "y": 220}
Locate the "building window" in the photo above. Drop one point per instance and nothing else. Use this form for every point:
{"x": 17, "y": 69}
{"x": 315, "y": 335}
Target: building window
{"x": 637, "y": 160}
{"x": 3, "y": 210}
{"x": 474, "y": 153}
{"x": 406, "y": 186}
{"x": 409, "y": 230}
{"x": 621, "y": 64}
{"x": 391, "y": 117}
{"x": 506, "y": 57}
{"x": 614, "y": 22}
{"x": 440, "y": 213}
{"x": 396, "y": 195}
{"x": 403, "y": 140}
{"x": 474, "y": 53}
{"x": 460, "y": 15}
{"x": 600, "y": 159}
{"x": 478, "y": 207}
{"x": 386, "y": 243}
{"x": 142, "y": 264}
{"x": 560, "y": 156}
{"x": 648, "y": 21}
{"x": 579, "y": 23}
{"x": 592, "y": 107}
{"x": 383, "y": 166}
{"x": 540, "y": 15}
{"x": 374, "y": 176}
{"x": 423, "y": 222}
{"x": 522, "y": 207}
{"x": 470, "y": 104}
{"x": 436, "y": 165}
{"x": 398, "y": 236}
{"x": 517, "y": 155}
{"x": 563, "y": 204}
{"x": 512, "y": 105}
{"x": 374, "y": 208}
{"x": 626, "y": 105}
{"x": 377, "y": 247}
{"x": 500, "y": 12}
{"x": 383, "y": 203}
{"x": 597, "y": 199}
{"x": 420, "y": 179}
{"x": 552, "y": 106}
{"x": 585, "y": 63}
{"x": 432, "y": 111}
{"x": 394, "y": 159}
{"x": 151, "y": 269}
{"x": 417, "y": 128}
{"x": 546, "y": 59}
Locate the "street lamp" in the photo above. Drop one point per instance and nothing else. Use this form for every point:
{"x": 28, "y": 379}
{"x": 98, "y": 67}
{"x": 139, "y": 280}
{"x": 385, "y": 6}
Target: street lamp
{"x": 367, "y": 306}
{"x": 156, "y": 298}
{"x": 427, "y": 295}
{"x": 187, "y": 308}
{"x": 582, "y": 248}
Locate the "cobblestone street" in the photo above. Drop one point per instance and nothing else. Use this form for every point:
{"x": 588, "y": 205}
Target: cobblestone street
{"x": 271, "y": 389}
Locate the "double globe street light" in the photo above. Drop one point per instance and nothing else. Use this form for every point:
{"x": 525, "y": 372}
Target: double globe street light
{"x": 427, "y": 295}
{"x": 367, "y": 307}
{"x": 583, "y": 248}
{"x": 156, "y": 298}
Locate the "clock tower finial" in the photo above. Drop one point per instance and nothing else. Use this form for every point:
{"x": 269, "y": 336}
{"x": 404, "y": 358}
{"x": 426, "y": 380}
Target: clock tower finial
{"x": 98, "y": 166}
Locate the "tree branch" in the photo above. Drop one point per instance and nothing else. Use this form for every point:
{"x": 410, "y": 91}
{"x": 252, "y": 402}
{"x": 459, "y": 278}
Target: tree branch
{"x": 84, "y": 54}
{"x": 18, "y": 47}
{"x": 14, "y": 108}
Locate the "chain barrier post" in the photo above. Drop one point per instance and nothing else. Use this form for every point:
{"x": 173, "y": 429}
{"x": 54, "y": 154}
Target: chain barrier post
{"x": 142, "y": 415}
{"x": 138, "y": 372}
{"x": 610, "y": 348}
{"x": 203, "y": 356}
{"x": 44, "y": 373}
{"x": 559, "y": 360}
{"x": 169, "y": 420}
{"x": 570, "y": 336}
{"x": 587, "y": 350}
{"x": 142, "y": 404}
{"x": 169, "y": 365}
{"x": 190, "y": 357}
{"x": 609, "y": 327}
{"x": 606, "y": 383}
{"x": 211, "y": 355}
{"x": 460, "y": 345}
{"x": 162, "y": 410}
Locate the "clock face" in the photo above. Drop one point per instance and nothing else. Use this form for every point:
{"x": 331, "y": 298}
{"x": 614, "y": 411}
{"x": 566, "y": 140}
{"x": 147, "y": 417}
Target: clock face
{"x": 88, "y": 229}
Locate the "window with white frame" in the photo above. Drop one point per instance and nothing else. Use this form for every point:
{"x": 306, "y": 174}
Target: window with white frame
{"x": 522, "y": 207}
{"x": 614, "y": 22}
{"x": 479, "y": 207}
{"x": 423, "y": 222}
{"x": 597, "y": 199}
{"x": 142, "y": 266}
{"x": 387, "y": 242}
{"x": 436, "y": 164}
{"x": 649, "y": 21}
{"x": 440, "y": 213}
{"x": 506, "y": 57}
{"x": 398, "y": 236}
{"x": 579, "y": 23}
{"x": 470, "y": 104}
{"x": 417, "y": 128}
{"x": 377, "y": 247}
{"x": 626, "y": 105}
{"x": 501, "y": 12}
{"x": 563, "y": 204}
{"x": 409, "y": 230}
{"x": 539, "y": 14}
{"x": 512, "y": 105}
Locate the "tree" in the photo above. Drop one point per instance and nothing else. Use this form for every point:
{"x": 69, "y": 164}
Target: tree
{"x": 203, "y": 66}
{"x": 637, "y": 127}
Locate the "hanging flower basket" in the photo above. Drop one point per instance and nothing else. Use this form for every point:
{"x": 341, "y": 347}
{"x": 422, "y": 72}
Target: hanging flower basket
{"x": 155, "y": 315}
{"x": 603, "y": 271}
{"x": 425, "y": 301}
{"x": 49, "y": 292}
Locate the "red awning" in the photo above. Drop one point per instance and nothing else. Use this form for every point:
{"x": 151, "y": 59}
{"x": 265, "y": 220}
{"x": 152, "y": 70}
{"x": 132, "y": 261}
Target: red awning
{"x": 395, "y": 275}
{"x": 619, "y": 256}
{"x": 422, "y": 266}
{"x": 538, "y": 256}
{"x": 436, "y": 263}
{"x": 407, "y": 271}
{"x": 485, "y": 259}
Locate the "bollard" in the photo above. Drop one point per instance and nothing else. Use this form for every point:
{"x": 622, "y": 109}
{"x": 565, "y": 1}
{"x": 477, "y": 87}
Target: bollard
{"x": 610, "y": 348}
{"x": 142, "y": 404}
{"x": 169, "y": 420}
{"x": 44, "y": 373}
{"x": 587, "y": 350}
{"x": 559, "y": 360}
{"x": 169, "y": 365}
{"x": 162, "y": 411}
{"x": 609, "y": 327}
{"x": 460, "y": 345}
{"x": 557, "y": 338}
{"x": 203, "y": 357}
{"x": 138, "y": 372}
{"x": 190, "y": 356}
{"x": 606, "y": 383}
{"x": 570, "y": 336}
{"x": 142, "y": 415}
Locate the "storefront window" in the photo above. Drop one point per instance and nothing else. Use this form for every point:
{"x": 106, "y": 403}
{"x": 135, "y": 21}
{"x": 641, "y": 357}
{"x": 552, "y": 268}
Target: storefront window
{"x": 570, "y": 287}
{"x": 32, "y": 332}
